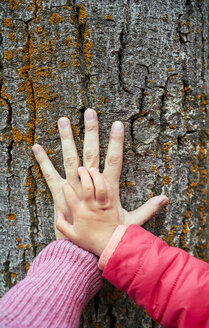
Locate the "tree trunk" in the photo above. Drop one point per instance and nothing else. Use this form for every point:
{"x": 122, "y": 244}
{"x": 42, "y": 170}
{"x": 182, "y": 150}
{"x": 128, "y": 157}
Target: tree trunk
{"x": 141, "y": 62}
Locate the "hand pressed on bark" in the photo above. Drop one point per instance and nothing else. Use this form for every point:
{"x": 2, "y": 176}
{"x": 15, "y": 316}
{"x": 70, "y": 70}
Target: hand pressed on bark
{"x": 112, "y": 169}
{"x": 95, "y": 217}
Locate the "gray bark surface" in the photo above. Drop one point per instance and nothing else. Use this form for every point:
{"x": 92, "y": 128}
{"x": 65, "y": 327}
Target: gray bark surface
{"x": 141, "y": 62}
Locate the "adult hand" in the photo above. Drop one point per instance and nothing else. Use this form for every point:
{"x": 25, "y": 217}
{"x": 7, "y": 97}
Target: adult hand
{"x": 112, "y": 170}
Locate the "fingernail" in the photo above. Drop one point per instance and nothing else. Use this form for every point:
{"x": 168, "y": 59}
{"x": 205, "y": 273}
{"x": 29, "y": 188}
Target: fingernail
{"x": 89, "y": 115}
{"x": 63, "y": 123}
{"x": 93, "y": 169}
{"x": 117, "y": 126}
{"x": 36, "y": 149}
{"x": 81, "y": 168}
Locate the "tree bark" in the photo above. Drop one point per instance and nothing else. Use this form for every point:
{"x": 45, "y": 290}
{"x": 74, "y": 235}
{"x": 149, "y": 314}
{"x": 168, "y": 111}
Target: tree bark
{"x": 141, "y": 62}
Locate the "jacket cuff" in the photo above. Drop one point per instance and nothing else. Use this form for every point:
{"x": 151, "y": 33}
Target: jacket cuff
{"x": 111, "y": 246}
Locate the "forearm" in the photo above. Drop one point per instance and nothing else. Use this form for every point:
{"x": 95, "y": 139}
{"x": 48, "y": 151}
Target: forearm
{"x": 60, "y": 282}
{"x": 168, "y": 282}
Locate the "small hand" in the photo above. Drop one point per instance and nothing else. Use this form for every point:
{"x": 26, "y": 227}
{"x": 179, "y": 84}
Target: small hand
{"x": 95, "y": 217}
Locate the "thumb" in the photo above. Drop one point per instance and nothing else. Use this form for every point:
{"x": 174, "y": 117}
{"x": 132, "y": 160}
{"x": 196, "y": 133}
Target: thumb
{"x": 66, "y": 228}
{"x": 147, "y": 210}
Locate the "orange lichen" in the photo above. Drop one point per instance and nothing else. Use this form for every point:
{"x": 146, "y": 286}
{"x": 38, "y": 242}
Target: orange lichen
{"x": 187, "y": 23}
{"x": 165, "y": 151}
{"x": 27, "y": 246}
{"x": 169, "y": 69}
{"x": 172, "y": 126}
{"x": 26, "y": 267}
{"x": 38, "y": 29}
{"x": 194, "y": 184}
{"x": 8, "y": 55}
{"x": 17, "y": 135}
{"x": 67, "y": 42}
{"x": 3, "y": 136}
{"x": 129, "y": 183}
{"x": 185, "y": 89}
{"x": 75, "y": 129}
{"x": 185, "y": 229}
{"x": 103, "y": 100}
{"x": 13, "y": 4}
{"x": 55, "y": 18}
{"x": 19, "y": 246}
{"x": 203, "y": 99}
{"x": 11, "y": 216}
{"x": 64, "y": 65}
{"x": 122, "y": 185}
{"x": 165, "y": 147}
{"x": 81, "y": 14}
{"x": 153, "y": 168}
{"x": 52, "y": 130}
{"x": 165, "y": 18}
{"x": 198, "y": 30}
{"x": 7, "y": 22}
{"x": 42, "y": 71}
{"x": 72, "y": 18}
{"x": 108, "y": 17}
{"x": 11, "y": 36}
{"x": 169, "y": 238}
{"x": 37, "y": 170}
{"x": 166, "y": 180}
{"x": 13, "y": 275}
{"x": 18, "y": 239}
{"x": 187, "y": 214}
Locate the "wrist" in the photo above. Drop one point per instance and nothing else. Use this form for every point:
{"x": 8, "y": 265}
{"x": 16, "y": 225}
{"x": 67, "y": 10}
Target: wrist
{"x": 103, "y": 240}
{"x": 111, "y": 245}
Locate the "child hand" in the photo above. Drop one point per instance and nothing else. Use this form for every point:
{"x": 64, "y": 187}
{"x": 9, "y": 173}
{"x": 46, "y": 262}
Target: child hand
{"x": 95, "y": 217}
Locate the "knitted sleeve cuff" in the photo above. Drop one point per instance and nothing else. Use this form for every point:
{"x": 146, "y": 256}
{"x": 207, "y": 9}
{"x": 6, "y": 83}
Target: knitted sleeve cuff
{"x": 111, "y": 246}
{"x": 59, "y": 283}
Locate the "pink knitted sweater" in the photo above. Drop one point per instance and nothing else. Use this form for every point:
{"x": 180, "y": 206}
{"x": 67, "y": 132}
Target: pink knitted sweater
{"x": 60, "y": 282}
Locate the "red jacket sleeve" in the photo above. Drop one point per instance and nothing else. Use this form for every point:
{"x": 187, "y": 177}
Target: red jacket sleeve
{"x": 169, "y": 283}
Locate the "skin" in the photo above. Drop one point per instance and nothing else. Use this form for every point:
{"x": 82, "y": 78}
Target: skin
{"x": 112, "y": 169}
{"x": 95, "y": 217}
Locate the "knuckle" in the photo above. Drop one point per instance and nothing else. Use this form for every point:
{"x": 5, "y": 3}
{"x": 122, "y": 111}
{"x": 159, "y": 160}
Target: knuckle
{"x": 91, "y": 155}
{"x": 91, "y": 128}
{"x": 102, "y": 194}
{"x": 88, "y": 189}
{"x": 114, "y": 159}
{"x": 48, "y": 177}
{"x": 70, "y": 161}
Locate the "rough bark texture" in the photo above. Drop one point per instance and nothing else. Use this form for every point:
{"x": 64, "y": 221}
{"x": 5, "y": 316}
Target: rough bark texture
{"x": 142, "y": 62}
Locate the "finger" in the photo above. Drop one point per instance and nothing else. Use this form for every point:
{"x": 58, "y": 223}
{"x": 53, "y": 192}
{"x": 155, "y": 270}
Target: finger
{"x": 52, "y": 177}
{"x": 65, "y": 227}
{"x": 87, "y": 184}
{"x": 148, "y": 210}
{"x": 91, "y": 140}
{"x": 99, "y": 186}
{"x": 114, "y": 158}
{"x": 70, "y": 155}
{"x": 71, "y": 198}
